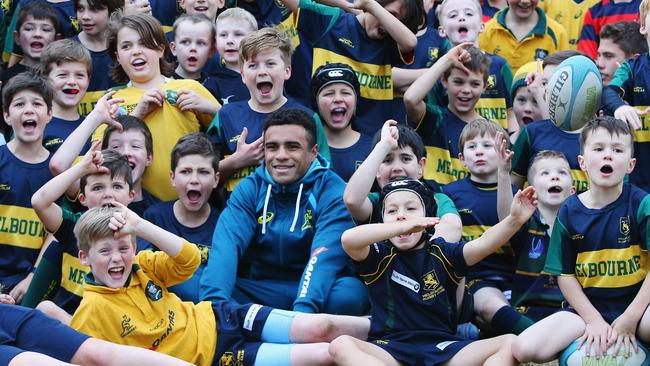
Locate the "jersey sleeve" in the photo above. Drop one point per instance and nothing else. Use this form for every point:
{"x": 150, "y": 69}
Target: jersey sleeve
{"x": 452, "y": 257}
{"x": 522, "y": 152}
{"x": 431, "y": 121}
{"x": 47, "y": 277}
{"x": 215, "y": 134}
{"x": 321, "y": 139}
{"x": 315, "y": 20}
{"x": 445, "y": 205}
{"x": 644, "y": 224}
{"x": 588, "y": 42}
{"x": 171, "y": 270}
{"x": 506, "y": 77}
{"x": 620, "y": 88}
{"x": 373, "y": 266}
{"x": 562, "y": 255}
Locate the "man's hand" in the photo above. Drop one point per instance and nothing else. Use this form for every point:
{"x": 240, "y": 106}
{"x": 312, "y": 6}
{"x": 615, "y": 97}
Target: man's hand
{"x": 523, "y": 205}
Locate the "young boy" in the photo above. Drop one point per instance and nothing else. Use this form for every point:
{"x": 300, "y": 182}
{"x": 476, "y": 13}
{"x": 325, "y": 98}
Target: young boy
{"x": 524, "y": 104}
{"x": 598, "y": 250}
{"x": 618, "y": 42}
{"x": 265, "y": 56}
{"x": 126, "y": 300}
{"x": 225, "y": 82}
{"x": 27, "y": 108}
{"x": 460, "y": 21}
{"x": 544, "y": 135}
{"x": 601, "y": 13}
{"x": 475, "y": 197}
{"x": 534, "y": 293}
{"x": 398, "y": 151}
{"x": 67, "y": 65}
{"x": 93, "y": 17}
{"x": 209, "y": 9}
{"x": 626, "y": 96}
{"x": 193, "y": 44}
{"x": 195, "y": 167}
{"x": 104, "y": 178}
{"x": 464, "y": 73}
{"x": 521, "y": 33}
{"x": 335, "y": 92}
{"x": 405, "y": 270}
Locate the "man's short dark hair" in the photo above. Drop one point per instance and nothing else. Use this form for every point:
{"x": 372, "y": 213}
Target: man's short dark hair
{"x": 118, "y": 166}
{"x": 407, "y": 137}
{"x": 27, "y": 80}
{"x": 195, "y": 143}
{"x": 293, "y": 116}
{"x": 625, "y": 35}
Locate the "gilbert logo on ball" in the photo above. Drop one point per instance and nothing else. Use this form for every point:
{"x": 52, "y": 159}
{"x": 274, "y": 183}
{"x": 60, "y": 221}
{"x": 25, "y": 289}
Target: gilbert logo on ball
{"x": 572, "y": 356}
{"x": 573, "y": 93}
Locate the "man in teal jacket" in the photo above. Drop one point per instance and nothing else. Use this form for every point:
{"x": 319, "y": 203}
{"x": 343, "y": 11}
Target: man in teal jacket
{"x": 278, "y": 241}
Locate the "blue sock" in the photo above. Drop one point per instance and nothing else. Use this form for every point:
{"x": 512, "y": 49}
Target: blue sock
{"x": 508, "y": 320}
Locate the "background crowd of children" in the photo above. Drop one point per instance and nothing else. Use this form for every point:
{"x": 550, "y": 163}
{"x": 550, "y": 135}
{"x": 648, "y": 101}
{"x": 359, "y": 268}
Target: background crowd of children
{"x": 243, "y": 182}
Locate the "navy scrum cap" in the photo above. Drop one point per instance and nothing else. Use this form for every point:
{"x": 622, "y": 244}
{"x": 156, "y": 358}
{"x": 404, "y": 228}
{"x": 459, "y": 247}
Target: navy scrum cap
{"x": 397, "y": 184}
{"x": 333, "y": 73}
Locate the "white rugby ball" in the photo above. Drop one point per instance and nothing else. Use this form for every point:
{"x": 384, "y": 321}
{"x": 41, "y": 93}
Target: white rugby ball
{"x": 573, "y": 93}
{"x": 572, "y": 356}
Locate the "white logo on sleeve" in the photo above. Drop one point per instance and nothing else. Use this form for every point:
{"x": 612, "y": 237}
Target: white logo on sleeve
{"x": 409, "y": 283}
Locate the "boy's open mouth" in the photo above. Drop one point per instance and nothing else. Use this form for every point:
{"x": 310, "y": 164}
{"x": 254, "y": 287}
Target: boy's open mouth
{"x": 462, "y": 31}
{"x": 36, "y": 45}
{"x": 193, "y": 196}
{"x": 71, "y": 91}
{"x": 138, "y": 63}
{"x": 338, "y": 114}
{"x": 265, "y": 87}
{"x": 116, "y": 273}
{"x": 526, "y": 119}
{"x": 192, "y": 59}
{"x": 29, "y": 124}
{"x": 607, "y": 169}
{"x": 555, "y": 189}
{"x": 201, "y": 9}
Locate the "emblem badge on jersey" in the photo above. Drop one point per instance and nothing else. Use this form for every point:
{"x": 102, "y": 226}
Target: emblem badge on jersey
{"x": 433, "y": 53}
{"x": 536, "y": 248}
{"x": 624, "y": 228}
{"x": 307, "y": 223}
{"x": 4, "y": 187}
{"x": 491, "y": 81}
{"x": 540, "y": 54}
{"x": 153, "y": 291}
{"x": 269, "y": 217}
{"x": 431, "y": 286}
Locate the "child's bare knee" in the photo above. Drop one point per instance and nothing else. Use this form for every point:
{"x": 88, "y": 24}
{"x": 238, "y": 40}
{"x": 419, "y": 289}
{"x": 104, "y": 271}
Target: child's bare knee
{"x": 341, "y": 346}
{"x": 321, "y": 328}
{"x": 521, "y": 350}
{"x": 47, "y": 307}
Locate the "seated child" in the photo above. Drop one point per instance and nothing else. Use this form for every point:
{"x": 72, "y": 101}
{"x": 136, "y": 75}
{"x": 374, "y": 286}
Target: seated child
{"x": 464, "y": 73}
{"x": 618, "y": 42}
{"x": 27, "y": 108}
{"x": 93, "y": 17}
{"x": 534, "y": 293}
{"x": 598, "y": 249}
{"x": 67, "y": 65}
{"x": 104, "y": 177}
{"x": 405, "y": 269}
{"x": 195, "y": 167}
{"x": 225, "y": 82}
{"x": 170, "y": 108}
{"x": 335, "y": 91}
{"x": 522, "y": 33}
{"x": 265, "y": 56}
{"x": 475, "y": 197}
{"x": 397, "y": 152}
{"x": 126, "y": 300}
{"x": 193, "y": 44}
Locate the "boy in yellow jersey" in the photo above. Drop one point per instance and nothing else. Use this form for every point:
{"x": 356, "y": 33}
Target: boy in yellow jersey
{"x": 570, "y": 14}
{"x": 521, "y": 33}
{"x": 126, "y": 300}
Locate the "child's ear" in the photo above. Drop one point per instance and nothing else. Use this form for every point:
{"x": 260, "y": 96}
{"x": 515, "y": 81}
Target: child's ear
{"x": 631, "y": 165}
{"x": 17, "y": 38}
{"x": 441, "y": 32}
{"x": 287, "y": 72}
{"x": 462, "y": 159}
{"x": 82, "y": 198}
{"x": 83, "y": 258}
{"x": 581, "y": 163}
{"x": 443, "y": 81}
{"x": 216, "y": 180}
{"x": 171, "y": 178}
{"x": 172, "y": 48}
{"x": 422, "y": 163}
{"x": 57, "y": 36}
{"x": 149, "y": 160}
{"x": 6, "y": 117}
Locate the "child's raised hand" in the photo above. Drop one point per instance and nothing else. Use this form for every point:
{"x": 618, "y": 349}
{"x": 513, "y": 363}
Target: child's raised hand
{"x": 108, "y": 109}
{"x": 93, "y": 159}
{"x": 504, "y": 154}
{"x": 631, "y": 115}
{"x": 523, "y": 205}
{"x": 151, "y": 99}
{"x": 623, "y": 333}
{"x": 249, "y": 154}
{"x": 458, "y": 55}
{"x": 595, "y": 335}
{"x": 361, "y": 5}
{"x": 125, "y": 221}
{"x": 390, "y": 134}
{"x": 190, "y": 100}
{"x": 418, "y": 224}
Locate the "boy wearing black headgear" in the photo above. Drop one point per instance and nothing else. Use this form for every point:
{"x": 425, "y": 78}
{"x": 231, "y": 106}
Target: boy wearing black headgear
{"x": 335, "y": 90}
{"x": 403, "y": 270}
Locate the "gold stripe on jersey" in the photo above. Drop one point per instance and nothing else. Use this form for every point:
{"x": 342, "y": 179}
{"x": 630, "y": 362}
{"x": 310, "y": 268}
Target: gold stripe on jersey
{"x": 21, "y": 227}
{"x": 289, "y": 26}
{"x": 72, "y": 277}
{"x": 441, "y": 167}
{"x": 611, "y": 268}
{"x": 471, "y": 232}
{"x": 643, "y": 134}
{"x": 376, "y": 80}
{"x": 369, "y": 278}
{"x": 89, "y": 100}
{"x": 493, "y": 109}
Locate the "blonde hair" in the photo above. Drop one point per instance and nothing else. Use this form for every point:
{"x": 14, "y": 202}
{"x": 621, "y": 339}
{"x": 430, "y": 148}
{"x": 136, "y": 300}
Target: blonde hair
{"x": 237, "y": 14}
{"x": 93, "y": 225}
{"x": 440, "y": 9}
{"x": 544, "y": 155}
{"x": 266, "y": 39}
{"x": 643, "y": 11}
{"x": 479, "y": 127}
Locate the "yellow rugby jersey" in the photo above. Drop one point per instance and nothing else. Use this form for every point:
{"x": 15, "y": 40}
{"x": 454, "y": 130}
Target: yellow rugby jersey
{"x": 167, "y": 124}
{"x": 570, "y": 14}
{"x": 144, "y": 314}
{"x": 547, "y": 37}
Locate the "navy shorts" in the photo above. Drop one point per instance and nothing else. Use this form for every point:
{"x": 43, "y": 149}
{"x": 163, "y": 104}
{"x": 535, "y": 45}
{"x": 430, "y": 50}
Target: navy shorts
{"x": 239, "y": 331}
{"x": 431, "y": 353}
{"x": 23, "y": 329}
{"x": 503, "y": 284}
